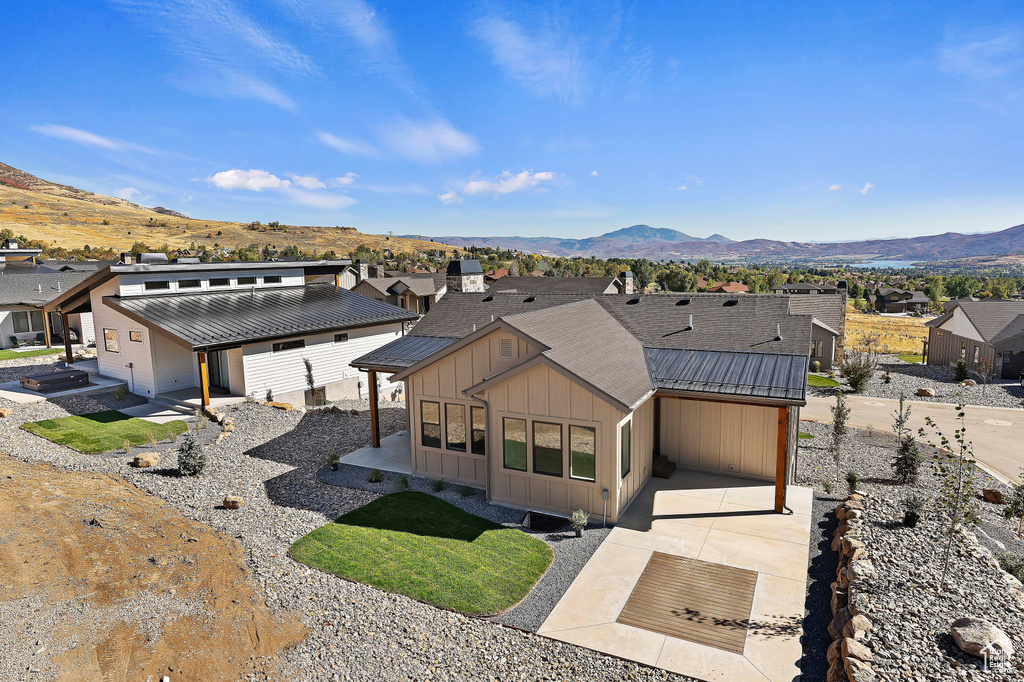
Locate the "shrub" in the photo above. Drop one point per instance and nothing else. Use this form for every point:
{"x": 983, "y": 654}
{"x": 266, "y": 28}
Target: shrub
{"x": 120, "y": 393}
{"x": 907, "y": 463}
{"x": 465, "y": 491}
{"x": 375, "y": 476}
{"x": 333, "y": 458}
{"x": 151, "y": 437}
{"x": 126, "y": 444}
{"x": 270, "y": 396}
{"x": 912, "y": 508}
{"x": 191, "y": 458}
{"x": 105, "y": 222}
{"x": 826, "y": 484}
{"x": 816, "y": 366}
{"x": 579, "y": 519}
{"x": 403, "y": 482}
{"x": 851, "y": 481}
{"x": 858, "y": 368}
{"x": 438, "y": 485}
{"x": 1012, "y": 563}
{"x": 961, "y": 370}
{"x": 886, "y": 379}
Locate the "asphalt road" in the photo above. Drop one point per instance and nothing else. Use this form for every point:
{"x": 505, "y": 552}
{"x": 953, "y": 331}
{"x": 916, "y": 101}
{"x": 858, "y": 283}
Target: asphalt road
{"x": 997, "y": 433}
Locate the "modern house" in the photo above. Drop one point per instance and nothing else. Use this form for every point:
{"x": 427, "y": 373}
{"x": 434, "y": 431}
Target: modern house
{"x": 889, "y": 300}
{"x": 25, "y": 289}
{"x": 987, "y": 335}
{"x": 183, "y": 329}
{"x": 414, "y": 292}
{"x": 623, "y": 284}
{"x": 804, "y": 288}
{"x": 558, "y": 402}
{"x": 828, "y": 326}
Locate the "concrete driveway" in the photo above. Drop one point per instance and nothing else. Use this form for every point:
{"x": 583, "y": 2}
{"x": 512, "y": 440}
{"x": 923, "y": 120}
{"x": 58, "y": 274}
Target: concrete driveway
{"x": 997, "y": 433}
{"x": 698, "y": 559}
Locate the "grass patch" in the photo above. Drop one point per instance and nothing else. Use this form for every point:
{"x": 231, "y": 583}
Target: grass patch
{"x": 804, "y": 435}
{"x": 414, "y": 544}
{"x": 913, "y": 359}
{"x": 821, "y": 382}
{"x": 102, "y": 431}
{"x": 13, "y": 355}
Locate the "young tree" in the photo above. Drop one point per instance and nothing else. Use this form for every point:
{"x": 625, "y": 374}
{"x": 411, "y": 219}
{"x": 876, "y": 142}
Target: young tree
{"x": 907, "y": 462}
{"x": 840, "y": 415}
{"x": 1015, "y": 504}
{"x": 957, "y": 499}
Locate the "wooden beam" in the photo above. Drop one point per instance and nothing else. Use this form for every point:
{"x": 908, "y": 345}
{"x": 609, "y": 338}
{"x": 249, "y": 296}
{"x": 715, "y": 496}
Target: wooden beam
{"x": 204, "y": 378}
{"x": 780, "y": 461}
{"x": 337, "y": 279}
{"x": 46, "y": 330}
{"x": 68, "y": 357}
{"x": 374, "y": 418}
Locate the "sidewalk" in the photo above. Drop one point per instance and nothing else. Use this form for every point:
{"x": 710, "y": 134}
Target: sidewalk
{"x": 997, "y": 433}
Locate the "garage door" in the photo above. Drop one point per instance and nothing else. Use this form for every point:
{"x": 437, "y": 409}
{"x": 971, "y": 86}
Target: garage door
{"x": 1013, "y": 365}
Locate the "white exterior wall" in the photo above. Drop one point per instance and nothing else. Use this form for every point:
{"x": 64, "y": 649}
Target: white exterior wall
{"x": 961, "y": 326}
{"x": 140, "y": 377}
{"x": 132, "y": 284}
{"x": 6, "y": 328}
{"x": 236, "y": 372}
{"x": 285, "y": 372}
{"x": 176, "y": 367}
{"x": 82, "y": 323}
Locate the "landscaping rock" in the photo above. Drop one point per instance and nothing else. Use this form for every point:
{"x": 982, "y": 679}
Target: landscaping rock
{"x": 838, "y": 624}
{"x": 970, "y": 382}
{"x": 5, "y": 412}
{"x": 146, "y": 459}
{"x": 977, "y": 636}
{"x": 287, "y": 407}
{"x": 860, "y": 570}
{"x": 994, "y": 496}
{"x": 926, "y": 392}
{"x": 233, "y": 502}
{"x": 858, "y": 671}
{"x": 851, "y": 648}
{"x": 856, "y": 627}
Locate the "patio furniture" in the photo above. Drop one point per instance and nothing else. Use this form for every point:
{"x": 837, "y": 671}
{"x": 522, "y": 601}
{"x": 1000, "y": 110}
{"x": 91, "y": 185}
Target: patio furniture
{"x": 40, "y": 339}
{"x": 58, "y": 381}
{"x": 18, "y": 343}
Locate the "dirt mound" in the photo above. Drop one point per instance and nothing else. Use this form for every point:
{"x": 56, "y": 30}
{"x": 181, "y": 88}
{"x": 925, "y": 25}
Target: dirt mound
{"x": 120, "y": 586}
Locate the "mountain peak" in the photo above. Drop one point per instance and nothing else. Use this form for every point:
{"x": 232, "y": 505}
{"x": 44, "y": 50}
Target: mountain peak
{"x": 643, "y": 234}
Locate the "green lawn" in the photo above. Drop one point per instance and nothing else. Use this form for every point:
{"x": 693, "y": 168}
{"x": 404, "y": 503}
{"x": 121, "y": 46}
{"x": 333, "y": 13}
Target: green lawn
{"x": 911, "y": 358}
{"x": 415, "y": 544}
{"x": 821, "y": 382}
{"x": 14, "y": 355}
{"x": 102, "y": 431}
{"x": 804, "y": 435}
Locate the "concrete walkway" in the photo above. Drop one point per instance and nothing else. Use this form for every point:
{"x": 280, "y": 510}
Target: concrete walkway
{"x": 997, "y": 433}
{"x": 394, "y": 454}
{"x": 712, "y": 518}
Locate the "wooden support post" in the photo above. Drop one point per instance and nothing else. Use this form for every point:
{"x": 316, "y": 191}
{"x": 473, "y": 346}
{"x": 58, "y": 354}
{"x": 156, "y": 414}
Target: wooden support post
{"x": 374, "y": 418}
{"x": 337, "y": 280}
{"x": 204, "y": 379}
{"x": 924, "y": 351}
{"x": 68, "y": 357}
{"x": 780, "y": 461}
{"x": 46, "y": 329}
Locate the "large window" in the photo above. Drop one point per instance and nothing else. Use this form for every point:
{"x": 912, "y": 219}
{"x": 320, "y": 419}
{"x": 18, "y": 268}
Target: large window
{"x": 430, "y": 424}
{"x": 582, "y": 452}
{"x": 479, "y": 417}
{"x": 110, "y": 340}
{"x": 455, "y": 426}
{"x": 625, "y": 442}
{"x": 547, "y": 449}
{"x": 26, "y": 321}
{"x": 515, "y": 443}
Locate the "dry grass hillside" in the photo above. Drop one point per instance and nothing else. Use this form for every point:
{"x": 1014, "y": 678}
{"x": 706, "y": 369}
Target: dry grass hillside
{"x": 902, "y": 335}
{"x": 71, "y": 218}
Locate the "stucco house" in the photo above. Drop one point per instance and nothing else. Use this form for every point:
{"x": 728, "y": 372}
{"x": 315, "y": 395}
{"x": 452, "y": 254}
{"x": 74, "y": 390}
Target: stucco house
{"x": 557, "y": 402}
{"x": 181, "y": 330}
{"x": 975, "y": 331}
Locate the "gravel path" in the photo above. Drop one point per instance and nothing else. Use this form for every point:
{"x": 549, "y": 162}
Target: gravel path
{"x": 355, "y": 632}
{"x": 910, "y": 637}
{"x": 821, "y": 571}
{"x": 906, "y": 378}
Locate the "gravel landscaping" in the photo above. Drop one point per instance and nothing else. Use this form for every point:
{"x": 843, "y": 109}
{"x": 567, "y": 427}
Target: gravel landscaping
{"x": 355, "y": 632}
{"x": 905, "y": 378}
{"x": 910, "y": 637}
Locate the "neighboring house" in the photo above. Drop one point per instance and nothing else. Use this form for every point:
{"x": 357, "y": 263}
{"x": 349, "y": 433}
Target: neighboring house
{"x": 973, "y": 331}
{"x": 558, "y": 402}
{"x": 729, "y": 288}
{"x": 536, "y": 273}
{"x": 889, "y": 300}
{"x": 828, "y": 326}
{"x": 413, "y": 292}
{"x": 25, "y": 289}
{"x": 952, "y": 302}
{"x": 492, "y": 276}
{"x": 187, "y": 329}
{"x": 623, "y": 284}
{"x": 805, "y": 288}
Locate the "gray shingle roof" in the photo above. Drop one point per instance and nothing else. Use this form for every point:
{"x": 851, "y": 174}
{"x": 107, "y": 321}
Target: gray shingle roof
{"x": 229, "y": 318}
{"x": 554, "y": 285}
{"x": 19, "y": 281}
{"x": 991, "y": 318}
{"x": 754, "y": 375}
{"x": 826, "y": 308}
{"x": 421, "y": 285}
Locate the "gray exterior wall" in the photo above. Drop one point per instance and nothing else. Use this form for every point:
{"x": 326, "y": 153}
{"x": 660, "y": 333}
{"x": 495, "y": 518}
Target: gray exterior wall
{"x": 828, "y": 348}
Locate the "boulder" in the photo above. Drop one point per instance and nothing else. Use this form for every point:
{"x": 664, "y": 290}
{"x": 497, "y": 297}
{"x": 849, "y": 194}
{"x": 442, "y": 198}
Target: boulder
{"x": 992, "y": 495}
{"x": 851, "y": 648}
{"x": 5, "y": 412}
{"x": 970, "y": 382}
{"x": 833, "y": 651}
{"x": 859, "y": 570}
{"x": 146, "y": 459}
{"x": 926, "y": 392}
{"x": 856, "y": 627}
{"x": 840, "y": 597}
{"x": 839, "y": 622}
{"x": 977, "y": 636}
{"x": 836, "y": 672}
{"x": 859, "y": 603}
{"x": 287, "y": 407}
{"x": 857, "y": 670}
{"x": 233, "y": 502}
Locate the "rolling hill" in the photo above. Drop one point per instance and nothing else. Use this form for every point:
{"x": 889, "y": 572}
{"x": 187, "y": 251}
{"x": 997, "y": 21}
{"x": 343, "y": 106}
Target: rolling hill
{"x": 70, "y": 217}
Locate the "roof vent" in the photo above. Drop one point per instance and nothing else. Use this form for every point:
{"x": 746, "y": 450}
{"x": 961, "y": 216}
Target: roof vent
{"x": 633, "y": 301}
{"x": 488, "y": 298}
{"x": 683, "y": 301}
{"x": 39, "y": 288}
{"x": 689, "y": 327}
{"x": 531, "y": 299}
{"x": 731, "y": 302}
{"x": 58, "y": 287}
{"x": 778, "y": 332}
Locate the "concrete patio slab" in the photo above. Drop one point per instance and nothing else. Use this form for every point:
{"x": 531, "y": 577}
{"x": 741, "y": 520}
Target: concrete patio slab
{"x": 394, "y": 454}
{"x": 12, "y": 390}
{"x": 718, "y": 519}
{"x": 158, "y": 414}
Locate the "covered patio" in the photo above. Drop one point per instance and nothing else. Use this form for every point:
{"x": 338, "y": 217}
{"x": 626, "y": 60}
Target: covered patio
{"x": 699, "y": 577}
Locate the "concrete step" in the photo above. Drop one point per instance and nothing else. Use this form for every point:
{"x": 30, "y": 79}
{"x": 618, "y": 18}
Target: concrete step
{"x": 173, "y": 404}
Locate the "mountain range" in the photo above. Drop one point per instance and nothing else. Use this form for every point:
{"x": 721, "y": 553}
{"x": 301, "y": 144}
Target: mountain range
{"x": 644, "y": 241}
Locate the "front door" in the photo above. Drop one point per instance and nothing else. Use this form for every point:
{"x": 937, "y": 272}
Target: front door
{"x": 217, "y": 366}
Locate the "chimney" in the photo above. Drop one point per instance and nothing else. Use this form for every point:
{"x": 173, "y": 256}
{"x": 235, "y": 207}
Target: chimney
{"x": 362, "y": 270}
{"x": 126, "y": 258}
{"x": 465, "y": 276}
{"x": 627, "y": 281}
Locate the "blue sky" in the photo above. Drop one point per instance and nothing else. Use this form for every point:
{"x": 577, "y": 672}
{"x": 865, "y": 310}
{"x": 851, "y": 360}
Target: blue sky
{"x": 797, "y": 121}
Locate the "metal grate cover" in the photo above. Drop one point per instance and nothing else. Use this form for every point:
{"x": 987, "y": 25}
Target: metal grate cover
{"x": 693, "y": 600}
{"x": 546, "y": 523}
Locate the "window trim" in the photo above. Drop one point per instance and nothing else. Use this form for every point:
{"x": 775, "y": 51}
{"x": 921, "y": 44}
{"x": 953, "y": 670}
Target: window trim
{"x": 135, "y": 335}
{"x": 504, "y": 442}
{"x": 424, "y": 422}
{"x": 190, "y": 284}
{"x": 155, "y": 285}
{"x": 593, "y": 430}
{"x": 447, "y": 426}
{"x": 472, "y": 430}
{"x": 271, "y": 279}
{"x": 282, "y": 346}
{"x": 226, "y": 282}
{"x": 626, "y": 447}
{"x": 561, "y": 448}
{"x": 344, "y": 338}
{"x": 108, "y": 341}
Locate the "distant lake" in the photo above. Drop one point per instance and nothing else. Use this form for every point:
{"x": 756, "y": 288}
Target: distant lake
{"x": 882, "y": 264}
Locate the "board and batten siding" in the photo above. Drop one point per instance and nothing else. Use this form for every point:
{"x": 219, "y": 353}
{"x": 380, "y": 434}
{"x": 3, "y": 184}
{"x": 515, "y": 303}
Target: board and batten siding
{"x": 641, "y": 453}
{"x": 720, "y": 437}
{"x": 444, "y": 381}
{"x": 140, "y": 377}
{"x": 285, "y": 371}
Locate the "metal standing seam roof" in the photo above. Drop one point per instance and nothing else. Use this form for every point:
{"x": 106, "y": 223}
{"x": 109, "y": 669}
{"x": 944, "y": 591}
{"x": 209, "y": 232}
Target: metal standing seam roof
{"x": 403, "y": 352}
{"x": 753, "y": 375}
{"x": 226, "y": 318}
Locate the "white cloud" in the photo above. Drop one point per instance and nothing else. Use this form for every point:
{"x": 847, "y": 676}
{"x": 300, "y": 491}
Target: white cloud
{"x": 450, "y": 197}
{"x": 680, "y": 188}
{"x": 697, "y": 180}
{"x": 88, "y": 139}
{"x": 430, "y": 142}
{"x": 252, "y": 180}
{"x": 593, "y": 172}
{"x": 507, "y": 183}
{"x": 127, "y": 193}
{"x": 352, "y": 147}
{"x": 867, "y": 186}
{"x": 834, "y": 188}
{"x": 984, "y": 54}
{"x": 547, "y": 63}
{"x": 345, "y": 180}
{"x": 307, "y": 181}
